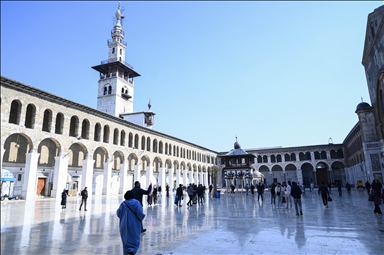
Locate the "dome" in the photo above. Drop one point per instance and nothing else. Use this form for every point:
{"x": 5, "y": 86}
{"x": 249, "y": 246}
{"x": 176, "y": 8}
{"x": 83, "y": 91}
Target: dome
{"x": 363, "y": 106}
{"x": 236, "y": 145}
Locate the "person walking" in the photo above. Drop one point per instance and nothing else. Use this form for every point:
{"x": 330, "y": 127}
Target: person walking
{"x": 190, "y": 194}
{"x": 138, "y": 193}
{"x": 246, "y": 189}
{"x": 64, "y": 195}
{"x": 84, "y": 197}
{"x": 179, "y": 194}
{"x": 167, "y": 190}
{"x": 131, "y": 216}
{"x": 348, "y": 186}
{"x": 296, "y": 194}
{"x": 273, "y": 193}
{"x": 200, "y": 193}
{"x": 154, "y": 194}
{"x": 330, "y": 187}
{"x": 368, "y": 187}
{"x": 279, "y": 195}
{"x": 312, "y": 186}
{"x": 252, "y": 189}
{"x": 260, "y": 191}
{"x": 287, "y": 194}
{"x": 339, "y": 187}
{"x": 375, "y": 192}
{"x": 323, "y": 190}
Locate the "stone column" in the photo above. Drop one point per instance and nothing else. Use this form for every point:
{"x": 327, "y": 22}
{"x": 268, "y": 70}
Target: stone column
{"x": 149, "y": 175}
{"x": 123, "y": 177}
{"x": 60, "y": 176}
{"x": 177, "y": 177}
{"x": 28, "y": 191}
{"x": 170, "y": 177}
{"x": 185, "y": 173}
{"x": 191, "y": 176}
{"x": 162, "y": 179}
{"x": 87, "y": 175}
{"x": 107, "y": 177}
{"x": 299, "y": 173}
{"x": 196, "y": 177}
{"x": 2, "y": 151}
{"x": 136, "y": 172}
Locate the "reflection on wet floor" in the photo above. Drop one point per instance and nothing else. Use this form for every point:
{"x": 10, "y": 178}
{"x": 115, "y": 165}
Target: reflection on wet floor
{"x": 231, "y": 224}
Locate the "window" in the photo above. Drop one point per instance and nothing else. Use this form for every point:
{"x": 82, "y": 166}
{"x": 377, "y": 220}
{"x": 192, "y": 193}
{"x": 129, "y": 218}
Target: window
{"x": 113, "y": 50}
{"x": 14, "y": 115}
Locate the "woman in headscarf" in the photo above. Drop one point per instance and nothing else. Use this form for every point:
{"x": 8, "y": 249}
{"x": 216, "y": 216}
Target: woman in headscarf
{"x": 63, "y": 199}
{"x": 131, "y": 215}
{"x": 375, "y": 192}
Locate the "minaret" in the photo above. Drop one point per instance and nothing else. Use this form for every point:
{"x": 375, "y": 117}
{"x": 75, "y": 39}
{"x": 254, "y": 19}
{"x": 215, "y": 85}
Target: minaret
{"x": 116, "y": 86}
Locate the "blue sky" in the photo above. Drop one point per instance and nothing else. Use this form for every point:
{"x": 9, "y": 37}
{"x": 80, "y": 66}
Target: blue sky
{"x": 271, "y": 73}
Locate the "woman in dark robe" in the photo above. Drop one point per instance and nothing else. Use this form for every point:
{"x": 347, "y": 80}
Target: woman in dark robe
{"x": 131, "y": 215}
{"x": 63, "y": 199}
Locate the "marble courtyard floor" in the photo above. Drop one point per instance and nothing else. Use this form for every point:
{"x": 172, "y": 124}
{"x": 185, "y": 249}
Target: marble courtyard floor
{"x": 231, "y": 224}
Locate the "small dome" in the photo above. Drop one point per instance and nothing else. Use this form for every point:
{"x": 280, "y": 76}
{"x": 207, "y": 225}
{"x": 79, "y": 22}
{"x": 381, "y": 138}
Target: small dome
{"x": 236, "y": 145}
{"x": 363, "y": 106}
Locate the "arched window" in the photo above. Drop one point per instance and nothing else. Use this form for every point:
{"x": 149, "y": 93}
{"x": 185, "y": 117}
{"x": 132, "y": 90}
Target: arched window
{"x": 143, "y": 143}
{"x": 161, "y": 147}
{"x": 136, "y": 141}
{"x": 74, "y": 126}
{"x": 148, "y": 144}
{"x": 122, "y": 138}
{"x": 97, "y": 134}
{"x": 109, "y": 90}
{"x": 105, "y": 90}
{"x": 265, "y": 159}
{"x": 59, "y": 124}
{"x": 323, "y": 155}
{"x": 14, "y": 114}
{"x": 85, "y": 129}
{"x": 115, "y": 136}
{"x": 130, "y": 140}
{"x": 106, "y": 134}
{"x": 278, "y": 158}
{"x": 154, "y": 146}
{"x": 47, "y": 121}
{"x": 287, "y": 157}
{"x": 113, "y": 50}
{"x": 30, "y": 116}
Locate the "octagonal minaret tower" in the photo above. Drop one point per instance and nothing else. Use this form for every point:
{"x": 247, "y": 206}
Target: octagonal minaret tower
{"x": 116, "y": 86}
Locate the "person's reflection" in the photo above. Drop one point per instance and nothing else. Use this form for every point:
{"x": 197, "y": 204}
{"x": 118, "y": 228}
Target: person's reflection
{"x": 300, "y": 238}
{"x": 82, "y": 223}
{"x": 62, "y": 217}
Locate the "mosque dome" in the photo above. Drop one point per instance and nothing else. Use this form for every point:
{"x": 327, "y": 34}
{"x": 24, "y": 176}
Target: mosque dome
{"x": 363, "y": 106}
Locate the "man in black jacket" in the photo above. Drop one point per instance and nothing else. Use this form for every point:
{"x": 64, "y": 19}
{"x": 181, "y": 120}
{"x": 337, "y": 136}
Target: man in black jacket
{"x": 296, "y": 194}
{"x": 138, "y": 195}
{"x": 84, "y": 197}
{"x": 323, "y": 190}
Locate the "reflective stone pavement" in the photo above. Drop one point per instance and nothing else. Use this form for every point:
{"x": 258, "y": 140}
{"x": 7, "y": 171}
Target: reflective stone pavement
{"x": 231, "y": 224}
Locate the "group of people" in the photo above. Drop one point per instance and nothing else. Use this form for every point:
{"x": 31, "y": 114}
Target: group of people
{"x": 282, "y": 192}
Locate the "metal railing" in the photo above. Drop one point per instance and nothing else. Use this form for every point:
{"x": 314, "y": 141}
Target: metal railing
{"x": 114, "y": 60}
{"x": 109, "y": 41}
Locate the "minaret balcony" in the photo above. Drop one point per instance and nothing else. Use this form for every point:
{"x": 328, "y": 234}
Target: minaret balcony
{"x": 111, "y": 42}
{"x": 111, "y": 60}
{"x": 126, "y": 96}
